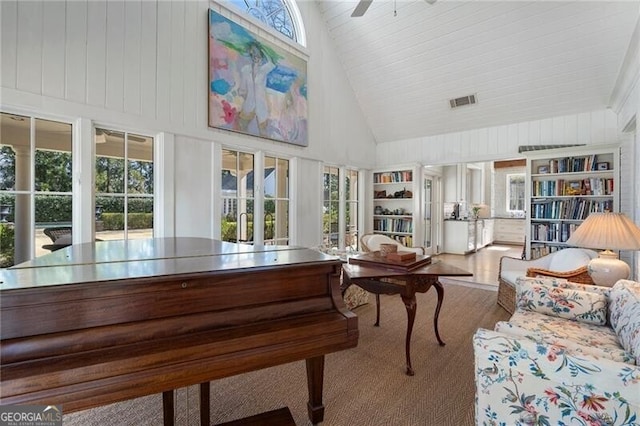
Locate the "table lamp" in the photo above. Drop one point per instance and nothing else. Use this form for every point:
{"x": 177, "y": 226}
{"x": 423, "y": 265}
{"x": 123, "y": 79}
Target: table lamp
{"x": 608, "y": 231}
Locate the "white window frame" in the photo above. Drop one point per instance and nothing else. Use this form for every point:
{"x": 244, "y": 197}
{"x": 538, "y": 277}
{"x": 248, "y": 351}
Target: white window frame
{"x": 508, "y": 193}
{"x": 342, "y": 203}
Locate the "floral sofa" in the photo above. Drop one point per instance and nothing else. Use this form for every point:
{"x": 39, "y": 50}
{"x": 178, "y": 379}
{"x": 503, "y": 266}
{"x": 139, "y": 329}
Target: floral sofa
{"x": 569, "y": 355}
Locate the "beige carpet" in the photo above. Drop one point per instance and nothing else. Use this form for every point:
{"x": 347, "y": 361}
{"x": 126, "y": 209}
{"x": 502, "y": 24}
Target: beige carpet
{"x": 364, "y": 386}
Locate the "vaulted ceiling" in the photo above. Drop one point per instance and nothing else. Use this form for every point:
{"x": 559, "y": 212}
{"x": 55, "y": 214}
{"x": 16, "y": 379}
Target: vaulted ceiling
{"x": 524, "y": 60}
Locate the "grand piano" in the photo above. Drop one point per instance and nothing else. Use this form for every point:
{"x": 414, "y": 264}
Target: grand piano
{"x": 102, "y": 322}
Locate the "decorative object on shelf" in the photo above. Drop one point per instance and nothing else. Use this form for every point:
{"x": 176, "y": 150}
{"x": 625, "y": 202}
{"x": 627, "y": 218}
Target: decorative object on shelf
{"x": 602, "y": 166}
{"x": 608, "y": 231}
{"x": 574, "y": 187}
{"x": 386, "y": 249}
{"x": 475, "y": 211}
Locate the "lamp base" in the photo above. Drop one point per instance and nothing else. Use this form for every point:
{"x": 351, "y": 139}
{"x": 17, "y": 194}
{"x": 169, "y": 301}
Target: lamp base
{"x": 607, "y": 269}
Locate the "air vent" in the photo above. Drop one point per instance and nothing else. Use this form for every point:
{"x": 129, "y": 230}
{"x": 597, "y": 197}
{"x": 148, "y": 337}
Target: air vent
{"x": 465, "y": 100}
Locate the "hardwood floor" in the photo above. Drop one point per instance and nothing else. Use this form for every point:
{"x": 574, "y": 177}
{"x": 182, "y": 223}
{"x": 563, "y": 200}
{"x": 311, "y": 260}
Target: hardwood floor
{"x": 484, "y": 264}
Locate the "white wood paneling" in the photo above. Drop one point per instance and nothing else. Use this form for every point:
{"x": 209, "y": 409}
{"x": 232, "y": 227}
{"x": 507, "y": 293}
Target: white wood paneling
{"x": 193, "y": 188}
{"x": 29, "y": 47}
{"x": 132, "y": 74}
{"x": 76, "y": 29}
{"x": 308, "y": 199}
{"x": 8, "y": 43}
{"x": 143, "y": 64}
{"x": 96, "y": 53}
{"x": 192, "y": 92}
{"x": 502, "y": 142}
{"x": 115, "y": 56}
{"x": 179, "y": 58}
{"x": 526, "y": 60}
{"x": 148, "y": 55}
{"x": 163, "y": 68}
{"x": 53, "y": 50}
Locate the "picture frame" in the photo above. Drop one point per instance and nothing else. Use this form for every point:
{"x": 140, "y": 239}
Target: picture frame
{"x": 574, "y": 187}
{"x": 543, "y": 169}
{"x": 256, "y": 86}
{"x": 602, "y": 166}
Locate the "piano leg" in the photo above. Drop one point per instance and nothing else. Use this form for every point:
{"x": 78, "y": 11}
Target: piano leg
{"x": 315, "y": 377}
{"x": 167, "y": 408}
{"x": 205, "y": 409}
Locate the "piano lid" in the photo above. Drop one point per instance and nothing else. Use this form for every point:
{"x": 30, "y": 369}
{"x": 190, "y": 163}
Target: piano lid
{"x": 126, "y": 259}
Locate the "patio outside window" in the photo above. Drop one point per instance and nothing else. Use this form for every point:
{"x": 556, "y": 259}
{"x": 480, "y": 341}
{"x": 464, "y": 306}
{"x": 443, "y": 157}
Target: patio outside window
{"x": 123, "y": 185}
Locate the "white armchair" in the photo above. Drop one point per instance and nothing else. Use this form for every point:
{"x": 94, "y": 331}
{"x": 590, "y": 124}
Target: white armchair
{"x": 570, "y": 263}
{"x": 371, "y": 242}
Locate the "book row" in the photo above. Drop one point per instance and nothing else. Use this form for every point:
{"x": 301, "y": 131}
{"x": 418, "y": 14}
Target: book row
{"x": 405, "y": 240}
{"x": 571, "y": 164}
{"x": 553, "y": 232}
{"x": 539, "y": 250}
{"x": 561, "y": 187}
{"x": 392, "y": 177}
{"x": 393, "y": 225}
{"x": 571, "y": 209}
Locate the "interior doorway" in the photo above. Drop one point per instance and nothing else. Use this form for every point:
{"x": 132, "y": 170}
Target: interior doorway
{"x": 432, "y": 212}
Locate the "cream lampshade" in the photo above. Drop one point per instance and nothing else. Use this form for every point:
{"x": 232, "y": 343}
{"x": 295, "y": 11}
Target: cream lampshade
{"x": 608, "y": 231}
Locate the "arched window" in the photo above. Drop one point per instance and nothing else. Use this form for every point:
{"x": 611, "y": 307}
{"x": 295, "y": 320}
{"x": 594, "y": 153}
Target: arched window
{"x": 281, "y": 15}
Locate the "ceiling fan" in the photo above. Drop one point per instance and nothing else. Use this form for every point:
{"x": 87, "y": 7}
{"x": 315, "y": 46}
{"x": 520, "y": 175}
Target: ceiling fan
{"x": 363, "y": 5}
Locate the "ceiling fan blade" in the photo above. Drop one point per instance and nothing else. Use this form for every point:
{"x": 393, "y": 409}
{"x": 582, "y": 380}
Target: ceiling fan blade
{"x": 361, "y": 8}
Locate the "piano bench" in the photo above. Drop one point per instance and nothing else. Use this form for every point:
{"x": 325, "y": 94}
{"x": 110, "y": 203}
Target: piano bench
{"x": 279, "y": 417}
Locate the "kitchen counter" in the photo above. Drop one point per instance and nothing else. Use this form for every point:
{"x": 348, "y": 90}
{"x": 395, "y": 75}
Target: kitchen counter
{"x": 510, "y": 230}
{"x": 462, "y": 236}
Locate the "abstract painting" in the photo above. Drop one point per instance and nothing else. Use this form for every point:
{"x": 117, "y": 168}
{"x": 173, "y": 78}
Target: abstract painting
{"x": 255, "y": 87}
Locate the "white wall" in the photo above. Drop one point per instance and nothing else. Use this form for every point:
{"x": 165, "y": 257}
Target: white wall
{"x": 141, "y": 65}
{"x": 625, "y": 101}
{"x": 502, "y": 142}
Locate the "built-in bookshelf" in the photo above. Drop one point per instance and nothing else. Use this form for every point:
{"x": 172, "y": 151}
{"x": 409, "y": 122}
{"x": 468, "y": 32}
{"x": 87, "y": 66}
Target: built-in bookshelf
{"x": 563, "y": 187}
{"x": 395, "y": 203}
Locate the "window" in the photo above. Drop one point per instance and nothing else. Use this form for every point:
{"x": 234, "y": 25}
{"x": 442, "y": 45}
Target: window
{"x": 351, "y": 211}
{"x": 35, "y": 185}
{"x": 276, "y": 201}
{"x": 515, "y": 193}
{"x": 340, "y": 226}
{"x": 275, "y": 13}
{"x": 330, "y": 212}
{"x": 237, "y": 196}
{"x": 123, "y": 185}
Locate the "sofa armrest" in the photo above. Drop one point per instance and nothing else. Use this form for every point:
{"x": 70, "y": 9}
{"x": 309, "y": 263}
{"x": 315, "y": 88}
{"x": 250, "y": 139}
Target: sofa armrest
{"x": 521, "y": 381}
{"x": 579, "y": 275}
{"x": 514, "y": 263}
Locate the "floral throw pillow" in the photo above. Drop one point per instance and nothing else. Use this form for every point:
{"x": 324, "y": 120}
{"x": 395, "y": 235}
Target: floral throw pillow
{"x": 569, "y": 303}
{"x": 625, "y": 315}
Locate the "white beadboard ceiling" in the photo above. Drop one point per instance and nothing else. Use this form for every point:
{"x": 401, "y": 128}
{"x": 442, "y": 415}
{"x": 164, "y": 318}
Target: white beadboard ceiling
{"x": 524, "y": 60}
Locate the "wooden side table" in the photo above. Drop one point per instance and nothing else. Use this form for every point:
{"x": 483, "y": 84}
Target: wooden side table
{"x": 381, "y": 280}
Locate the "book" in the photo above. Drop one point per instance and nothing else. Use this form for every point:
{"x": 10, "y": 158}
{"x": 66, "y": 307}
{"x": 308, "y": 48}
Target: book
{"x": 402, "y": 256}
{"x": 375, "y": 260}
